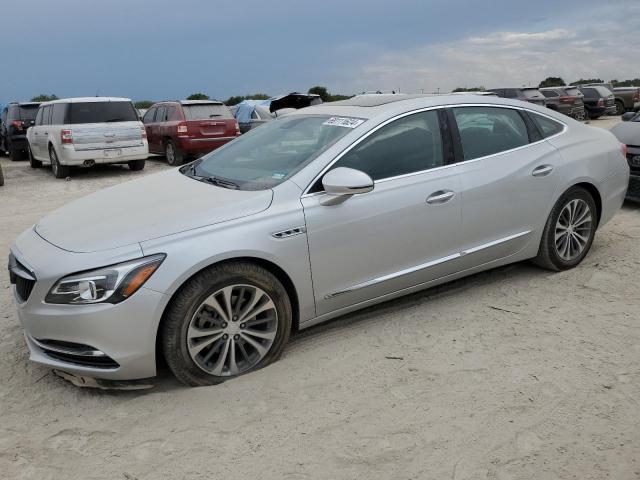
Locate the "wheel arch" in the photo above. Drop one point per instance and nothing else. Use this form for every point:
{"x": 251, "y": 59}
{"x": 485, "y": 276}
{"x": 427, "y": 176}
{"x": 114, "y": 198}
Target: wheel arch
{"x": 268, "y": 265}
{"x": 595, "y": 193}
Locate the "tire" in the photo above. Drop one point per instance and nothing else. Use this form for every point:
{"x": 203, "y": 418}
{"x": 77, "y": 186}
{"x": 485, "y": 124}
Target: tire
{"x": 594, "y": 117}
{"x": 136, "y": 165}
{"x": 14, "y": 155}
{"x": 173, "y": 154}
{"x": 32, "y": 161}
{"x": 59, "y": 171}
{"x": 620, "y": 109}
{"x": 186, "y": 314}
{"x": 552, "y": 254}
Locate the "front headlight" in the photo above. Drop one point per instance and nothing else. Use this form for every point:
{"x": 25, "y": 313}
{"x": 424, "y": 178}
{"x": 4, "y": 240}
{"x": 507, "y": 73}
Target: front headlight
{"x": 111, "y": 284}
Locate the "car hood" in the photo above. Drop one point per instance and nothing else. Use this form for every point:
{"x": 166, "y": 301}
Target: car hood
{"x": 627, "y": 132}
{"x": 147, "y": 208}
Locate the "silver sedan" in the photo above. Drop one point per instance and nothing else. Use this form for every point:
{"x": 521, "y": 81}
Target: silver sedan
{"x": 321, "y": 212}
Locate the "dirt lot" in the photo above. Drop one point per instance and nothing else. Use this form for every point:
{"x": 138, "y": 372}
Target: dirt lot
{"x": 517, "y": 373}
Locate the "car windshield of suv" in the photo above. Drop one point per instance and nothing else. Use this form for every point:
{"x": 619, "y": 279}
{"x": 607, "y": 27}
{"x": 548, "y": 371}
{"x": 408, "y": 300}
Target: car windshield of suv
{"x": 206, "y": 111}
{"x": 28, "y": 112}
{"x": 531, "y": 93}
{"x": 102, "y": 112}
{"x": 268, "y": 155}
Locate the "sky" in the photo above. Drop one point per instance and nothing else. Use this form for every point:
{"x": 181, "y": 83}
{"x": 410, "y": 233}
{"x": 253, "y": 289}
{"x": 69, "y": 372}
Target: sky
{"x": 160, "y": 49}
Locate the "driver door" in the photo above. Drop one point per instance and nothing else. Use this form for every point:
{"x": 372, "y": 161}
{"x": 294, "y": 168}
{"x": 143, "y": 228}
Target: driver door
{"x": 403, "y": 233}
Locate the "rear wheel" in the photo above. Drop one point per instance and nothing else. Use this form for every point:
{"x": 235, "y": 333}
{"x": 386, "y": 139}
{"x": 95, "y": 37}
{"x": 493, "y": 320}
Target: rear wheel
{"x": 136, "y": 165}
{"x": 59, "y": 171}
{"x": 569, "y": 231}
{"x": 620, "y": 108}
{"x": 1, "y": 177}
{"x": 32, "y": 161}
{"x": 174, "y": 156}
{"x": 228, "y": 320}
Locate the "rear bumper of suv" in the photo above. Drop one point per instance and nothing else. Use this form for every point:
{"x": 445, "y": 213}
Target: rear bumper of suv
{"x": 67, "y": 155}
{"x": 202, "y": 145}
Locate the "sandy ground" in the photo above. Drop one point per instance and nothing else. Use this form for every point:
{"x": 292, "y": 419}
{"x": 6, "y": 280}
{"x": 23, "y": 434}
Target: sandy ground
{"x": 517, "y": 373}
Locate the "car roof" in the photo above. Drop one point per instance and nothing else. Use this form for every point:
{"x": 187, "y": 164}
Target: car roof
{"x": 200, "y": 102}
{"x": 23, "y": 104}
{"x": 88, "y": 100}
{"x": 370, "y": 106}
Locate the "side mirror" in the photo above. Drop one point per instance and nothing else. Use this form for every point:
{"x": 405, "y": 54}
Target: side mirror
{"x": 342, "y": 183}
{"x": 628, "y": 116}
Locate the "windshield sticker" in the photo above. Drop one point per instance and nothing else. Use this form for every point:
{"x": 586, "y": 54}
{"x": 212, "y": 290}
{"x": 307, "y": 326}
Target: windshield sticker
{"x": 346, "y": 122}
{"x": 278, "y": 176}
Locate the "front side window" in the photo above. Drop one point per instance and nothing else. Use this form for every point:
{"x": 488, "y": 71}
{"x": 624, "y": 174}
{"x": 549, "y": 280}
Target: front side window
{"x": 266, "y": 156}
{"x": 46, "y": 115}
{"x": 547, "y": 127}
{"x": 102, "y": 112}
{"x": 39, "y": 116}
{"x": 148, "y": 117}
{"x": 489, "y": 130}
{"x": 161, "y": 114}
{"x": 407, "y": 145}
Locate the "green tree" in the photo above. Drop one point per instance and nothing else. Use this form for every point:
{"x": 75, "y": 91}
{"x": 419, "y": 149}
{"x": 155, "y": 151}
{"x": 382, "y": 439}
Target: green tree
{"x": 44, "y": 98}
{"x": 198, "y": 96}
{"x": 470, "y": 89}
{"x": 322, "y": 91}
{"x": 143, "y": 104}
{"x": 231, "y": 101}
{"x": 552, "y": 82}
{"x": 626, "y": 83}
{"x": 583, "y": 81}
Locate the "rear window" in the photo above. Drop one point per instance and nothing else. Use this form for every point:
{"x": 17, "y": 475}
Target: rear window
{"x": 549, "y": 93}
{"x": 28, "y": 112}
{"x": 531, "y": 93}
{"x": 102, "y": 112}
{"x": 574, "y": 92}
{"x": 206, "y": 111}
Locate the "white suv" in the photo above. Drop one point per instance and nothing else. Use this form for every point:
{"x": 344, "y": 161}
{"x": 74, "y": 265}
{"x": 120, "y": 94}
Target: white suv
{"x": 85, "y": 131}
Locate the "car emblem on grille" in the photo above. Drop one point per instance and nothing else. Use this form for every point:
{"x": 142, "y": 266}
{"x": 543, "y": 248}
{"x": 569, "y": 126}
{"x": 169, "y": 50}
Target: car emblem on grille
{"x": 635, "y": 161}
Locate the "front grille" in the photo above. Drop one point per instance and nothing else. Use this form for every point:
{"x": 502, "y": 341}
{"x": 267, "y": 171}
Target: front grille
{"x": 22, "y": 277}
{"x": 634, "y": 160}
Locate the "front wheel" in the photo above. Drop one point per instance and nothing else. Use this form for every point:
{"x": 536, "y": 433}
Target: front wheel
{"x": 226, "y": 321}
{"x": 569, "y": 231}
{"x": 136, "y": 165}
{"x": 32, "y": 161}
{"x": 620, "y": 108}
{"x": 59, "y": 171}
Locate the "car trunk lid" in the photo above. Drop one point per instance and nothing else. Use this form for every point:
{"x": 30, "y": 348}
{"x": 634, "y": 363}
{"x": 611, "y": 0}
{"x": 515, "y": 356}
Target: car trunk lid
{"x": 209, "y": 120}
{"x": 103, "y": 136}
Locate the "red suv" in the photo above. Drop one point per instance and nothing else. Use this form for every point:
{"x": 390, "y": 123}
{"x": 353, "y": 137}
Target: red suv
{"x": 188, "y": 128}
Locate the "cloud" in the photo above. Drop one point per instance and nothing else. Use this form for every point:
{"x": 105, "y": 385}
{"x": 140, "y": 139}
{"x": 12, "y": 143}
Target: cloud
{"x": 606, "y": 49}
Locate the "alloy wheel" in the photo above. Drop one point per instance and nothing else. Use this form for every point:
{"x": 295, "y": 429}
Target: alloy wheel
{"x": 573, "y": 229}
{"x": 170, "y": 154}
{"x": 232, "y": 330}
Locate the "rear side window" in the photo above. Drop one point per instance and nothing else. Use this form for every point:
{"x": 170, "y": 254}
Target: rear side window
{"x": 489, "y": 130}
{"x": 547, "y": 127}
{"x": 410, "y": 144}
{"x": 161, "y": 114}
{"x": 590, "y": 92}
{"x": 172, "y": 113}
{"x": 59, "y": 110}
{"x": 205, "y": 111}
{"x": 102, "y": 112}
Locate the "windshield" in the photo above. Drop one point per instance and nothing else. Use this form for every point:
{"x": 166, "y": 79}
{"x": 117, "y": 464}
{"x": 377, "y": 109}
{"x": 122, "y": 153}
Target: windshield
{"x": 266, "y": 156}
{"x": 101, "y": 112}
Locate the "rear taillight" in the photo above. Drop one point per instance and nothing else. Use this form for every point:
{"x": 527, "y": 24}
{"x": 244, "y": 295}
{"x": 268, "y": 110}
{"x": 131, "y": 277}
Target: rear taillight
{"x": 601, "y": 102}
{"x": 625, "y": 150}
{"x": 65, "y": 136}
{"x": 143, "y": 132}
{"x": 567, "y": 99}
{"x": 237, "y": 129}
{"x": 182, "y": 127}
{"x": 636, "y": 96}
{"x": 17, "y": 124}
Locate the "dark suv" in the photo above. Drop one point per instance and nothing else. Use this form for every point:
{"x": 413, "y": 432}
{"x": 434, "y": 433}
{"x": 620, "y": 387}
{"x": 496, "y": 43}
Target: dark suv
{"x": 15, "y": 120}
{"x": 182, "y": 129}
{"x": 598, "y": 101}
{"x": 566, "y": 100}
{"x": 526, "y": 94}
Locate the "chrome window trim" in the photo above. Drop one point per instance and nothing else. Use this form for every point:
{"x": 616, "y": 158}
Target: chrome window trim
{"x": 425, "y": 109}
{"x": 423, "y": 266}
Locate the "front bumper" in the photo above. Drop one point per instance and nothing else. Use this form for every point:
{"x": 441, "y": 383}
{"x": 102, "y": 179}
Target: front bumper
{"x": 114, "y": 342}
{"x": 202, "y": 145}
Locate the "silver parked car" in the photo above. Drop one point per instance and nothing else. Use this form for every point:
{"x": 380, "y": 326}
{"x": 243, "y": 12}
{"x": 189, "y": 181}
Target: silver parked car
{"x": 327, "y": 210}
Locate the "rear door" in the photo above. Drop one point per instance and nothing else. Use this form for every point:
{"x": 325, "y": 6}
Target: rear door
{"x": 209, "y": 120}
{"x": 148, "y": 120}
{"x": 508, "y": 180}
{"x": 109, "y": 125}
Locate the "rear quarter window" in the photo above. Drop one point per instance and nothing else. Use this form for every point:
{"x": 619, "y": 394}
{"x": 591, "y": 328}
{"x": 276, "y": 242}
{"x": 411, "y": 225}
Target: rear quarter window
{"x": 547, "y": 127}
{"x": 102, "y": 112}
{"x": 206, "y": 111}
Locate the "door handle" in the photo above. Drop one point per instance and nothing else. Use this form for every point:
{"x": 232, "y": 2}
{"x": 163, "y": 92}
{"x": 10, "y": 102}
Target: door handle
{"x": 542, "y": 171}
{"x": 441, "y": 196}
